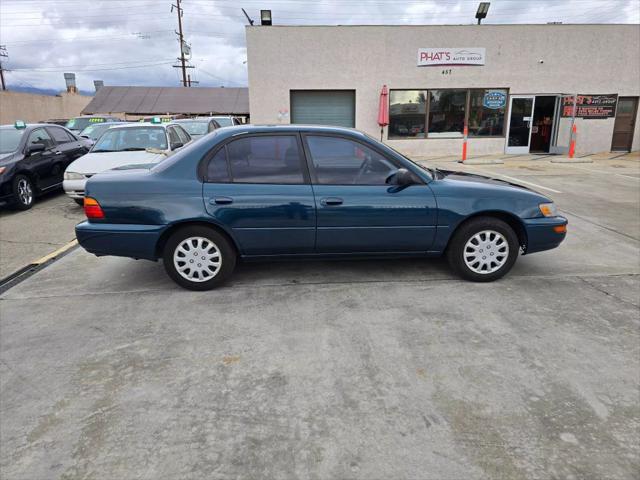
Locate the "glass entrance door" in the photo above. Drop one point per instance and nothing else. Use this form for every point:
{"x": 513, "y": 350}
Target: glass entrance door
{"x": 562, "y": 123}
{"x": 519, "y": 131}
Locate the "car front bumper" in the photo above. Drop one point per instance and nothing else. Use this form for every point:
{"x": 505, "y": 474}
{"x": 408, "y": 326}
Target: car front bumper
{"x": 541, "y": 234}
{"x": 74, "y": 188}
{"x": 121, "y": 240}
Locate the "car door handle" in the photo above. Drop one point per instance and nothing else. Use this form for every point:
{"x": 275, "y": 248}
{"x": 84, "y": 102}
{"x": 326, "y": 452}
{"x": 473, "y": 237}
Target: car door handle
{"x": 329, "y": 201}
{"x": 221, "y": 201}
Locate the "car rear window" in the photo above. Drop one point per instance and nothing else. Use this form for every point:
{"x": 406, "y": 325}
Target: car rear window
{"x": 265, "y": 159}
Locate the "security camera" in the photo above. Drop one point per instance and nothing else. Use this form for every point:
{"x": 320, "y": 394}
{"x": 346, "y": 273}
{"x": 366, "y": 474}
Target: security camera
{"x": 540, "y": 61}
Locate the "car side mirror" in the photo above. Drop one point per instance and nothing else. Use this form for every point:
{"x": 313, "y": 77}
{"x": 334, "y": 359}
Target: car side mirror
{"x": 401, "y": 177}
{"x": 35, "y": 147}
{"x": 176, "y": 145}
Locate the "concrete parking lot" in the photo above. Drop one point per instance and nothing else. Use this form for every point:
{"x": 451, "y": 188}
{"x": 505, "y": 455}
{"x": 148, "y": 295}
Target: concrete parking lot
{"x": 358, "y": 369}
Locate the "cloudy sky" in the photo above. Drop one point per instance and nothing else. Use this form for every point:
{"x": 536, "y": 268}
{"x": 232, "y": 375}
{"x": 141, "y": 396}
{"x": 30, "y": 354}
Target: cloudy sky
{"x": 132, "y": 42}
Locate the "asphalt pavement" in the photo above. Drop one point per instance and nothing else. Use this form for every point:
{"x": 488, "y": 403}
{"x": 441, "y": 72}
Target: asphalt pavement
{"x": 354, "y": 369}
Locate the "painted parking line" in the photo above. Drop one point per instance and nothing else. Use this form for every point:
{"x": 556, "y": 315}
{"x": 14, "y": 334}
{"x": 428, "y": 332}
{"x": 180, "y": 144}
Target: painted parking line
{"x": 569, "y": 165}
{"x": 517, "y": 180}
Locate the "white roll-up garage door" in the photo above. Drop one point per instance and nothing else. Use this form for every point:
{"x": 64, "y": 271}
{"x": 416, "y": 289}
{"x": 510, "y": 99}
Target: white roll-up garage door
{"x": 324, "y": 107}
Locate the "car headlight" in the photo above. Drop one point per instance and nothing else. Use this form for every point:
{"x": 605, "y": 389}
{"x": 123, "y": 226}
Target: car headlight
{"x": 548, "y": 209}
{"x": 73, "y": 176}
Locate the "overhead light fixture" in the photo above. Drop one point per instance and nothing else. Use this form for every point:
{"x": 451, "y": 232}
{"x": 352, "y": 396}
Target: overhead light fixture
{"x": 265, "y": 17}
{"x": 483, "y": 8}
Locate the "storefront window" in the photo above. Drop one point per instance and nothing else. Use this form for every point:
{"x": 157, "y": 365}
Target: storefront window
{"x": 406, "y": 113}
{"x": 447, "y": 112}
{"x": 486, "y": 112}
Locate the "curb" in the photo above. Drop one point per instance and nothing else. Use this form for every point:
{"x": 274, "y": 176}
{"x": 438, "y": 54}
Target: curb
{"x": 481, "y": 161}
{"x": 572, "y": 160}
{"x": 19, "y": 276}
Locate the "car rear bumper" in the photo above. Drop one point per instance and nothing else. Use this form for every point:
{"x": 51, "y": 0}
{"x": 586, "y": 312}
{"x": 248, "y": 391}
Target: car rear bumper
{"x": 74, "y": 188}
{"x": 121, "y": 240}
{"x": 541, "y": 234}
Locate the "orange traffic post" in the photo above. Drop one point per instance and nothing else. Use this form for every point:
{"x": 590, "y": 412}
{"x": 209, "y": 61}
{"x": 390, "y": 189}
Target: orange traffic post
{"x": 572, "y": 144}
{"x": 464, "y": 143}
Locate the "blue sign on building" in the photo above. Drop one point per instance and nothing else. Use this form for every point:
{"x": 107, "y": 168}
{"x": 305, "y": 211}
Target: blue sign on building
{"x": 494, "y": 99}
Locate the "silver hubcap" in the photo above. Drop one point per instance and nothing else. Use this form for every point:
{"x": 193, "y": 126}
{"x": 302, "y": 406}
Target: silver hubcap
{"x": 197, "y": 259}
{"x": 25, "y": 193}
{"x": 486, "y": 252}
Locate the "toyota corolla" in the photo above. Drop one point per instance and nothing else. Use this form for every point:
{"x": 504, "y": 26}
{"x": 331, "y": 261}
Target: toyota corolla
{"x": 266, "y": 192}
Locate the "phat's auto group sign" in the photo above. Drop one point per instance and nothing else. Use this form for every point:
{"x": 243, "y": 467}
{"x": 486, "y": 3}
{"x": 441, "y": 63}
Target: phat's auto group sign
{"x": 450, "y": 56}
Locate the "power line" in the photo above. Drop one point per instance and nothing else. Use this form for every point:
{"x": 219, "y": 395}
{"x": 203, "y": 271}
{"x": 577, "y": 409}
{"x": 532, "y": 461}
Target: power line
{"x": 59, "y": 69}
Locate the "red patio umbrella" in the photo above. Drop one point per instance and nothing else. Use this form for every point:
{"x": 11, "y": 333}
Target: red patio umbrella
{"x": 383, "y": 110}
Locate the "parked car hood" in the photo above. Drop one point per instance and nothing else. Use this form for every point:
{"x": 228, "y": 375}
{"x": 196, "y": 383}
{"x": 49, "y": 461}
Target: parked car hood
{"x": 475, "y": 178}
{"x": 6, "y": 157}
{"x": 101, "y": 161}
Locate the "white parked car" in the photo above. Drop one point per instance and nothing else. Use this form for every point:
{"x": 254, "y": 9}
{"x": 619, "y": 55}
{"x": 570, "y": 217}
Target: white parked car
{"x": 134, "y": 143}
{"x": 226, "y": 120}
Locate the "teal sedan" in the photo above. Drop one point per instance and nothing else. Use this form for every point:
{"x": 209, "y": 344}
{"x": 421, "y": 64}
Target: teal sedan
{"x": 267, "y": 192}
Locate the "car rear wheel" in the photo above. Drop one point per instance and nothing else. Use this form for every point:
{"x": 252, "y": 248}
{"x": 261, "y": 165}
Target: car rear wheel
{"x": 23, "y": 192}
{"x": 483, "y": 249}
{"x": 198, "y": 258}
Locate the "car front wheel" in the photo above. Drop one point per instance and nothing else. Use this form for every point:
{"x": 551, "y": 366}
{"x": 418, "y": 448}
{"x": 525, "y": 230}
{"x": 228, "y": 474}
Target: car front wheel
{"x": 483, "y": 249}
{"x": 23, "y": 192}
{"x": 198, "y": 258}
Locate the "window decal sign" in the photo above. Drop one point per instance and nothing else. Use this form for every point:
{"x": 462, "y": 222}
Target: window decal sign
{"x": 494, "y": 99}
{"x": 591, "y": 106}
{"x": 451, "y": 56}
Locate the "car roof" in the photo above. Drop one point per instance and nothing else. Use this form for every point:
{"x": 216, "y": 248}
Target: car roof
{"x": 253, "y": 128}
{"x": 31, "y": 125}
{"x": 141, "y": 124}
{"x": 197, "y": 119}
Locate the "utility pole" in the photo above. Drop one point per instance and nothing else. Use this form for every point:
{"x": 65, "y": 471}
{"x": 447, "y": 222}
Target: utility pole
{"x": 3, "y": 54}
{"x": 181, "y": 39}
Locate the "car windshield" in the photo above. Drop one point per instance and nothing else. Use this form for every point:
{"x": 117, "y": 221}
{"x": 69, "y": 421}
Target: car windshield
{"x": 80, "y": 123}
{"x": 131, "y": 139}
{"x": 94, "y": 131}
{"x": 224, "y": 121}
{"x": 10, "y": 139}
{"x": 195, "y": 128}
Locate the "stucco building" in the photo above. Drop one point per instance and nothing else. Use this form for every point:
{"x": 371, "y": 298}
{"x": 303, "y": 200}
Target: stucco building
{"x": 517, "y": 88}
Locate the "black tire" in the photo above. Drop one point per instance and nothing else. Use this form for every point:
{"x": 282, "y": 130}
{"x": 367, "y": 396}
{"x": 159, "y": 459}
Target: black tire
{"x": 456, "y": 249}
{"x": 21, "y": 199}
{"x": 227, "y": 255}
{"x": 79, "y": 201}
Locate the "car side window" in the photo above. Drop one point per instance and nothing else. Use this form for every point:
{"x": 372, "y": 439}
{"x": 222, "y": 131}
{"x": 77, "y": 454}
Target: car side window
{"x": 340, "y": 161}
{"x": 59, "y": 135}
{"x": 218, "y": 169}
{"x": 173, "y": 136}
{"x": 266, "y": 159}
{"x": 184, "y": 136}
{"x": 40, "y": 136}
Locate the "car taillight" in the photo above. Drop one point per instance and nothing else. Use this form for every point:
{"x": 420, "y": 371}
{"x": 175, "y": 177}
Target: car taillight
{"x": 92, "y": 208}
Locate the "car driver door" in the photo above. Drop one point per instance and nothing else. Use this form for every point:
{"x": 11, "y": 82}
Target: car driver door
{"x": 357, "y": 210}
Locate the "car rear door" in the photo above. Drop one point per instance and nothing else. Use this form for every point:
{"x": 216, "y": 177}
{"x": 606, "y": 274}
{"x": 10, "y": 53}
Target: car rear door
{"x": 258, "y": 186}
{"x": 43, "y": 164}
{"x": 357, "y": 211}
{"x": 68, "y": 149}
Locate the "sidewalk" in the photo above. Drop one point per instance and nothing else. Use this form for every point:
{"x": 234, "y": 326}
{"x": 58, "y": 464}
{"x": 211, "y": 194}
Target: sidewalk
{"x": 505, "y": 158}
